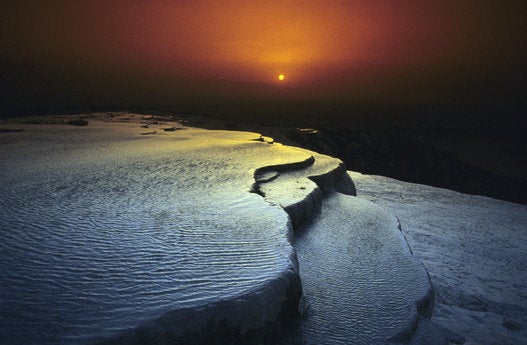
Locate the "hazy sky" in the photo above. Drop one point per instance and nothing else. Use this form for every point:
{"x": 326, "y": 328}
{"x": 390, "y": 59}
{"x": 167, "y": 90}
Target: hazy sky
{"x": 386, "y": 49}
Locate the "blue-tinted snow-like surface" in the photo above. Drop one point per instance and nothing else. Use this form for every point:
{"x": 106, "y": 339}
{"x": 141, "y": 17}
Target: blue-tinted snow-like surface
{"x": 475, "y": 249}
{"x": 103, "y": 229}
{"x": 360, "y": 282}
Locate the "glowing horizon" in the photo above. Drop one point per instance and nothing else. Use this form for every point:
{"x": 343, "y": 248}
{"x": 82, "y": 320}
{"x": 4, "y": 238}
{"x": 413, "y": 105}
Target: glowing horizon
{"x": 257, "y": 37}
{"x": 349, "y": 49}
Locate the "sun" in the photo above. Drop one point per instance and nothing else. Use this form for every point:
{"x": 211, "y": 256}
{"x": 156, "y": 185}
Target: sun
{"x": 281, "y": 77}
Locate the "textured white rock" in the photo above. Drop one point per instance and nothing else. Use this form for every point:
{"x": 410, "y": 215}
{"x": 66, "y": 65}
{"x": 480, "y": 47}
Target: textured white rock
{"x": 353, "y": 258}
{"x": 165, "y": 238}
{"x": 361, "y": 283}
{"x": 475, "y": 249}
{"x": 104, "y": 229}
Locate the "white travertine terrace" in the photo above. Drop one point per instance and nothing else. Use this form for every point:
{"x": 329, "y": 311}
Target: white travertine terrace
{"x": 114, "y": 236}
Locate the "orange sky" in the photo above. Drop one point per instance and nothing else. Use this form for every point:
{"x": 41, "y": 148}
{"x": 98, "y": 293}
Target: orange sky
{"x": 255, "y": 40}
{"x": 373, "y": 47}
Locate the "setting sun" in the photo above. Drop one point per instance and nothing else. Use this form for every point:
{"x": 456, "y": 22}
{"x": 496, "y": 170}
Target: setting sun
{"x": 281, "y": 77}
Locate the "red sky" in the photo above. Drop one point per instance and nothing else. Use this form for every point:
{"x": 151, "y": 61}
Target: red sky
{"x": 373, "y": 47}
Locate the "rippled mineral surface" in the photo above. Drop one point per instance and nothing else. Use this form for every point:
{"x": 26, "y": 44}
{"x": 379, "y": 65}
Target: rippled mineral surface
{"x": 118, "y": 233}
{"x": 103, "y": 228}
{"x": 354, "y": 263}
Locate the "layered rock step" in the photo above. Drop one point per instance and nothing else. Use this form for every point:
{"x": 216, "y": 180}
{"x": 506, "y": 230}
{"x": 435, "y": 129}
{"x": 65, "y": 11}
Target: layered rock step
{"x": 185, "y": 237}
{"x": 113, "y": 236}
{"x": 361, "y": 283}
